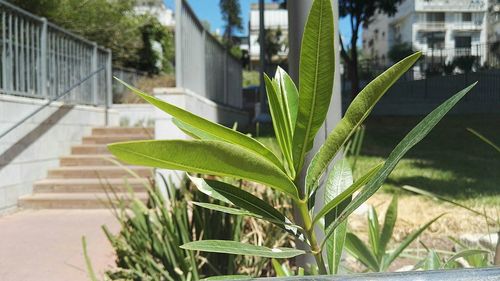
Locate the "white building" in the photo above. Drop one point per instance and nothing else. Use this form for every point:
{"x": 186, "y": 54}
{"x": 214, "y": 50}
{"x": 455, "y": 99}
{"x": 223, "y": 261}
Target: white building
{"x": 442, "y": 28}
{"x": 274, "y": 18}
{"x": 156, "y": 8}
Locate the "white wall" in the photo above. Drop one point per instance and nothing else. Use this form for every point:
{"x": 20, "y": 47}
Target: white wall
{"x": 135, "y": 115}
{"x": 35, "y": 146}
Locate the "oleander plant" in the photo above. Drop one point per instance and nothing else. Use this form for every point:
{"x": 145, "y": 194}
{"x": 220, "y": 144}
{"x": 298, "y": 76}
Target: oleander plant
{"x": 297, "y": 115}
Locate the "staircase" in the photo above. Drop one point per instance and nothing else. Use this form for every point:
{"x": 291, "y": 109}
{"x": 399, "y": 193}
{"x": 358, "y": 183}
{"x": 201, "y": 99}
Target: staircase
{"x": 84, "y": 177}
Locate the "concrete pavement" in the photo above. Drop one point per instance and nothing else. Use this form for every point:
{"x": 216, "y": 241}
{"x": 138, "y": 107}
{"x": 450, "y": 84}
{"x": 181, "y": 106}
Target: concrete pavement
{"x": 45, "y": 245}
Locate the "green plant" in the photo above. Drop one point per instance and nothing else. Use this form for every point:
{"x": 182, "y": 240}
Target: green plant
{"x": 220, "y": 151}
{"x": 465, "y": 257}
{"x": 376, "y": 257}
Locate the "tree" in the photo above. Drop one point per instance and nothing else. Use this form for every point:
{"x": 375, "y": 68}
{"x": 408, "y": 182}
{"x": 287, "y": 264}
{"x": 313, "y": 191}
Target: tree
{"x": 231, "y": 14}
{"x": 360, "y": 14}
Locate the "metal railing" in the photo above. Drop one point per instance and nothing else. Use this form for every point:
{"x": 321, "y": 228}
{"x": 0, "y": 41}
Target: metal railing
{"x": 128, "y": 75}
{"x": 203, "y": 64}
{"x": 40, "y": 60}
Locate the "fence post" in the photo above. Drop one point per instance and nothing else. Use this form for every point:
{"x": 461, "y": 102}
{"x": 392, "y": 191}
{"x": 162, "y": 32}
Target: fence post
{"x": 94, "y": 79}
{"x": 43, "y": 60}
{"x": 178, "y": 43}
{"x": 108, "y": 96}
{"x": 226, "y": 80}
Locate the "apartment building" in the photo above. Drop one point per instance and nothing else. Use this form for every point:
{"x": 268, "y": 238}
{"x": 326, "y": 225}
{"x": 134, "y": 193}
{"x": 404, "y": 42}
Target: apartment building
{"x": 156, "y": 8}
{"x": 441, "y": 28}
{"x": 275, "y": 18}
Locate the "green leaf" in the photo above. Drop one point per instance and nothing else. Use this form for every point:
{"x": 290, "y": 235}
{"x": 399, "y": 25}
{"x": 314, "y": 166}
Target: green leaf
{"x": 316, "y": 72}
{"x": 281, "y": 122}
{"x": 224, "y": 209}
{"x": 339, "y": 179}
{"x": 391, "y": 215}
{"x": 405, "y": 243}
{"x": 346, "y": 194}
{"x": 358, "y": 250}
{"x": 280, "y": 272}
{"x": 207, "y": 157}
{"x": 357, "y": 112}
{"x": 290, "y": 95}
{"x": 238, "y": 248}
{"x": 464, "y": 254}
{"x": 228, "y": 277}
{"x": 432, "y": 261}
{"x": 374, "y": 233}
{"x": 210, "y": 128}
{"x": 484, "y": 139}
{"x": 255, "y": 206}
{"x": 409, "y": 141}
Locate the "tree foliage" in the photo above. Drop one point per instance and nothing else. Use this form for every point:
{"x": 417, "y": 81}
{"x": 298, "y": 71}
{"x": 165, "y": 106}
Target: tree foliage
{"x": 110, "y": 23}
{"x": 360, "y": 14}
{"x": 231, "y": 14}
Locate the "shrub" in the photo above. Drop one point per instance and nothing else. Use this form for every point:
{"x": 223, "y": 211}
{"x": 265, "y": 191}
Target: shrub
{"x": 297, "y": 116}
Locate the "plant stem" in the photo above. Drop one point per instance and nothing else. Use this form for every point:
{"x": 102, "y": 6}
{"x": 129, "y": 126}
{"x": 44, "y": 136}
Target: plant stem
{"x": 311, "y": 236}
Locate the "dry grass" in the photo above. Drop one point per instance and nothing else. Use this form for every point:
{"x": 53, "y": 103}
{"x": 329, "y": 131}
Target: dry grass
{"x": 414, "y": 211}
{"x": 147, "y": 84}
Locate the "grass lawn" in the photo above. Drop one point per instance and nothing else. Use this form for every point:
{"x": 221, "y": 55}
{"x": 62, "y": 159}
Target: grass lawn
{"x": 450, "y": 161}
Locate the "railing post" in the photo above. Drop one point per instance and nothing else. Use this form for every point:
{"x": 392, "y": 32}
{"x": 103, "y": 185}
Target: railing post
{"x": 178, "y": 43}
{"x": 108, "y": 99}
{"x": 44, "y": 60}
{"x": 94, "y": 79}
{"x": 226, "y": 80}
{"x": 204, "y": 82}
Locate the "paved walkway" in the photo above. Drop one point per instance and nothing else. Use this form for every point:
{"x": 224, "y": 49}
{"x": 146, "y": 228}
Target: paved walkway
{"x": 45, "y": 245}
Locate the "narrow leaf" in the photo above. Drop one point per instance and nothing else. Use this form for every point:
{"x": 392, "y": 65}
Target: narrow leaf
{"x": 406, "y": 242}
{"x": 228, "y": 277}
{"x": 357, "y": 112}
{"x": 278, "y": 269}
{"x": 207, "y": 157}
{"x": 346, "y": 193}
{"x": 358, "y": 249}
{"x": 208, "y": 127}
{"x": 245, "y": 200}
{"x": 409, "y": 141}
{"x": 432, "y": 261}
{"x": 290, "y": 93}
{"x": 391, "y": 216}
{"x": 374, "y": 233}
{"x": 464, "y": 254}
{"x": 238, "y": 248}
{"x": 316, "y": 72}
{"x": 281, "y": 122}
{"x": 339, "y": 180}
{"x": 484, "y": 139}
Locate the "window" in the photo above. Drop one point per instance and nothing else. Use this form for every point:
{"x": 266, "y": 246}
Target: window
{"x": 435, "y": 40}
{"x": 435, "y": 17}
{"x": 466, "y": 17}
{"x": 463, "y": 42}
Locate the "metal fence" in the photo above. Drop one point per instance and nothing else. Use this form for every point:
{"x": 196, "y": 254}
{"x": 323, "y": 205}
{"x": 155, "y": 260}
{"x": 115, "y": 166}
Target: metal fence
{"x": 203, "y": 64}
{"x": 41, "y": 60}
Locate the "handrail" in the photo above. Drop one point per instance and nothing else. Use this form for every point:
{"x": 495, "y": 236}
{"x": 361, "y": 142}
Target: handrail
{"x": 64, "y": 93}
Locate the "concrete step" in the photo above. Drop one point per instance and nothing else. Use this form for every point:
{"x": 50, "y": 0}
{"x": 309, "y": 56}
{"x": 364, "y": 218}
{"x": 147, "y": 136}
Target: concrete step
{"x": 97, "y": 172}
{"x": 89, "y": 149}
{"x": 105, "y": 139}
{"x": 73, "y": 200}
{"x": 89, "y": 185}
{"x": 87, "y": 160}
{"x": 122, "y": 131}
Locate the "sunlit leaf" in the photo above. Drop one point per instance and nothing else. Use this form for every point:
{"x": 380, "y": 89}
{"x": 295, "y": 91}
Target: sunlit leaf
{"x": 207, "y": 157}
{"x": 316, "y": 72}
{"x": 238, "y": 248}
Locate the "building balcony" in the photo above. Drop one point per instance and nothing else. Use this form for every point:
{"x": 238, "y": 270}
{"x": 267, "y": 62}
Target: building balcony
{"x": 451, "y": 6}
{"x": 442, "y": 26}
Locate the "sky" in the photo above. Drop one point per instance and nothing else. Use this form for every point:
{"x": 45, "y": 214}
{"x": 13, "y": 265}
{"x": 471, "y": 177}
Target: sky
{"x": 209, "y": 10}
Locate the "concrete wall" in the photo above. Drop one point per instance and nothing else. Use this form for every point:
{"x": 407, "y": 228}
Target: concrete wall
{"x": 135, "y": 115}
{"x": 35, "y": 146}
